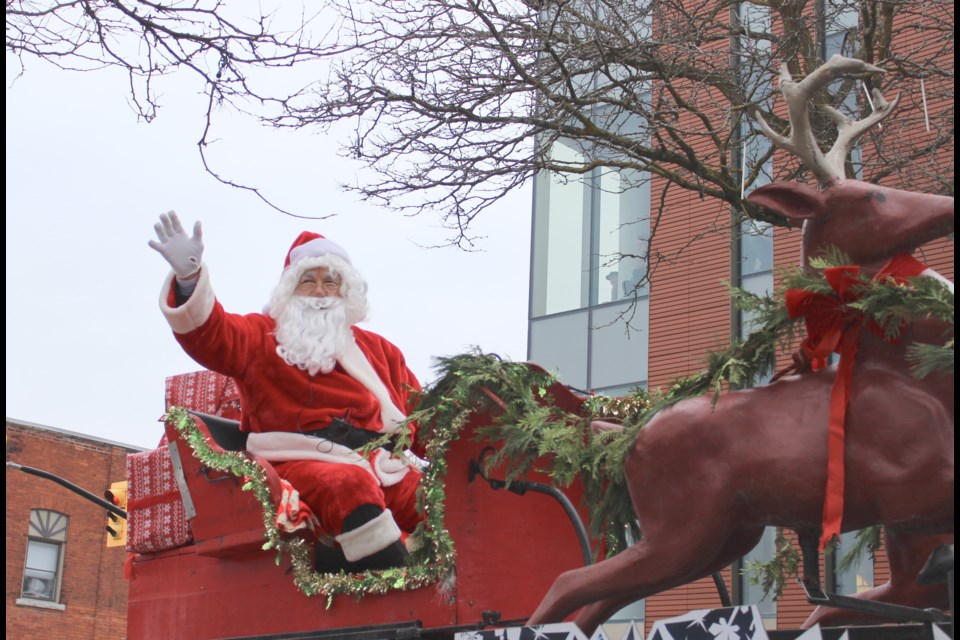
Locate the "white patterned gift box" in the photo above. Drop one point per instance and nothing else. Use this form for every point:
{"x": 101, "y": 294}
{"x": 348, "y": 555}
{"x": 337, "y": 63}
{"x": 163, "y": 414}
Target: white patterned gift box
{"x": 156, "y": 519}
{"x": 203, "y": 391}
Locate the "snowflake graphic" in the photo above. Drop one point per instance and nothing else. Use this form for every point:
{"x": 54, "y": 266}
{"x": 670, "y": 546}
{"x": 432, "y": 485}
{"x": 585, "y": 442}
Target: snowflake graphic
{"x": 724, "y": 630}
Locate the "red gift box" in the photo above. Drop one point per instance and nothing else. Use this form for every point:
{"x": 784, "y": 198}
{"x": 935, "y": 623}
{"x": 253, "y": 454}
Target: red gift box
{"x": 155, "y": 515}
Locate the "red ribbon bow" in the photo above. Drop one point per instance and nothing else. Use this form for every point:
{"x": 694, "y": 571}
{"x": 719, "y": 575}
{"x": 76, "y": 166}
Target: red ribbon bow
{"x": 833, "y": 326}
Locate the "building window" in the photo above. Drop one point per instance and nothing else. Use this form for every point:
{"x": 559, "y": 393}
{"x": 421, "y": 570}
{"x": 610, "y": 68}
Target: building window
{"x": 754, "y": 273}
{"x": 43, "y": 567}
{"x": 756, "y": 267}
{"x": 858, "y": 575}
{"x": 559, "y": 344}
{"x": 752, "y": 594}
{"x": 622, "y": 236}
{"x": 561, "y": 235}
{"x": 841, "y": 21}
{"x": 589, "y": 319}
{"x": 619, "y": 345}
{"x": 600, "y": 251}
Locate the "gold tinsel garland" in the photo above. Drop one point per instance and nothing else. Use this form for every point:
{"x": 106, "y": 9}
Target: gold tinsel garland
{"x": 432, "y": 563}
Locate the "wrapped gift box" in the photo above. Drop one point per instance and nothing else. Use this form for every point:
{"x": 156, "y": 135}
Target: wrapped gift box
{"x": 155, "y": 516}
{"x": 156, "y": 519}
{"x": 204, "y": 391}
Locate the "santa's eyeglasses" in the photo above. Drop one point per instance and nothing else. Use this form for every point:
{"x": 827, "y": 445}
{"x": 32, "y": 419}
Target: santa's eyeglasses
{"x": 309, "y": 285}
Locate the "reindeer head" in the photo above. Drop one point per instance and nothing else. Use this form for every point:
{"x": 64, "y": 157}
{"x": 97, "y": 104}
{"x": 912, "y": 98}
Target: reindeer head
{"x": 868, "y": 222}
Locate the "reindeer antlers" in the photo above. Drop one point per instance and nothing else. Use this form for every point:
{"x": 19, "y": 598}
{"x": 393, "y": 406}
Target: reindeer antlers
{"x": 802, "y": 143}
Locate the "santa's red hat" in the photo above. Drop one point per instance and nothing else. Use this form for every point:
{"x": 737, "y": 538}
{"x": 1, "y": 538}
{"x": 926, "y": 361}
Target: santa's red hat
{"x": 313, "y": 245}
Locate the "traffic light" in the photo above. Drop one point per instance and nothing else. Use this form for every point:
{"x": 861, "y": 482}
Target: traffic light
{"x": 116, "y": 525}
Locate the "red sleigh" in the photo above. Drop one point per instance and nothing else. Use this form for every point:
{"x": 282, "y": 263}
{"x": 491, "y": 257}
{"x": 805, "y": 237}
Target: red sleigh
{"x": 197, "y": 539}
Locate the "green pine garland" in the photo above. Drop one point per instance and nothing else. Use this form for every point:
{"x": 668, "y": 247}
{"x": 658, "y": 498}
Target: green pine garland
{"x": 772, "y": 574}
{"x": 533, "y": 434}
{"x": 891, "y": 306}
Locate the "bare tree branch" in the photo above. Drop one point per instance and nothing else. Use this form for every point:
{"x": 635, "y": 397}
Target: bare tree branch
{"x": 455, "y": 103}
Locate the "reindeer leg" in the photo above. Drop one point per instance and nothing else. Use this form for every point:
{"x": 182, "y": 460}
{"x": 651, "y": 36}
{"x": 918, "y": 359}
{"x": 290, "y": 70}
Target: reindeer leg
{"x": 809, "y": 547}
{"x": 593, "y": 615}
{"x": 678, "y": 546}
{"x": 626, "y": 577}
{"x": 737, "y": 545}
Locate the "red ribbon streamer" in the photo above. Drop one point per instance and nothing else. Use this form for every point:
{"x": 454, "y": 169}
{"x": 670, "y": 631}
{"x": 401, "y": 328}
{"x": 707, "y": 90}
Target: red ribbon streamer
{"x": 832, "y": 326}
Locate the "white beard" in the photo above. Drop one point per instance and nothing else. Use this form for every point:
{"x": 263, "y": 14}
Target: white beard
{"x": 312, "y": 332}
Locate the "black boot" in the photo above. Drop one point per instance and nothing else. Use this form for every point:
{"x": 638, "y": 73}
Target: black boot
{"x": 360, "y": 516}
{"x": 371, "y": 540}
{"x": 330, "y": 559}
{"x": 393, "y": 556}
{"x": 327, "y": 559}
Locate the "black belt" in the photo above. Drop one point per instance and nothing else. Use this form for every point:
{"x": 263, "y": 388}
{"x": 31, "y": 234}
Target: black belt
{"x": 343, "y": 433}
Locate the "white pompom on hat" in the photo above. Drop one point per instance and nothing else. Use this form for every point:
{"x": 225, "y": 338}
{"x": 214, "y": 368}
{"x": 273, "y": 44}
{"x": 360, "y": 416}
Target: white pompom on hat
{"x": 313, "y": 245}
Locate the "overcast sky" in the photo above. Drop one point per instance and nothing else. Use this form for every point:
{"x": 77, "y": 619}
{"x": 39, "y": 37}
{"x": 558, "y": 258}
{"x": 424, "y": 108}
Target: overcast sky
{"x": 87, "y": 347}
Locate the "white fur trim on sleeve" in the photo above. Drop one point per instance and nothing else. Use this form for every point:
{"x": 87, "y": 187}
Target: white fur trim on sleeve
{"x": 370, "y": 537}
{"x": 195, "y": 311}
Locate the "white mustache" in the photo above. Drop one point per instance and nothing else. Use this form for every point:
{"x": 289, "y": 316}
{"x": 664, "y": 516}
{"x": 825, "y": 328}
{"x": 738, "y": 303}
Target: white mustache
{"x": 319, "y": 304}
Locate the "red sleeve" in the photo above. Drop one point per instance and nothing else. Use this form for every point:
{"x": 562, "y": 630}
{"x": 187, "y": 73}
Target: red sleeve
{"x": 226, "y": 342}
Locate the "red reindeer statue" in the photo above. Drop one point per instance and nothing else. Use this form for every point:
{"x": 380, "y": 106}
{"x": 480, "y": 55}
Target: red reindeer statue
{"x": 706, "y": 480}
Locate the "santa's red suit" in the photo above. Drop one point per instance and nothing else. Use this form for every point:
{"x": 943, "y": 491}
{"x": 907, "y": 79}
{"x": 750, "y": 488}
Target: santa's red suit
{"x": 370, "y": 386}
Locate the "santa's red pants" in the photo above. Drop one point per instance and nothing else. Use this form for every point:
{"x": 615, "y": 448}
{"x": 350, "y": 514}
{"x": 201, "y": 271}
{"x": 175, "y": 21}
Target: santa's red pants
{"x": 333, "y": 491}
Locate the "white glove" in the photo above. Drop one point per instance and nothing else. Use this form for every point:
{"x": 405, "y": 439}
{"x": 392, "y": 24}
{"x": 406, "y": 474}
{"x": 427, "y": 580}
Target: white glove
{"x": 181, "y": 252}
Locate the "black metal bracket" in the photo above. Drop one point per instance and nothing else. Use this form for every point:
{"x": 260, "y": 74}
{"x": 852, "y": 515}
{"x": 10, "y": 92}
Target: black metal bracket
{"x": 490, "y": 618}
{"x": 818, "y": 596}
{"x": 205, "y": 471}
{"x": 520, "y": 487}
{"x": 476, "y": 469}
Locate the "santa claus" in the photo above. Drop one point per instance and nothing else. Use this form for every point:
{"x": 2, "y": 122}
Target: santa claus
{"x": 313, "y": 386}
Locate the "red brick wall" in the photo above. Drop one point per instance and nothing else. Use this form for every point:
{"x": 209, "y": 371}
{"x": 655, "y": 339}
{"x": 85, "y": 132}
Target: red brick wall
{"x": 689, "y": 305}
{"x": 93, "y": 590}
{"x": 701, "y": 594}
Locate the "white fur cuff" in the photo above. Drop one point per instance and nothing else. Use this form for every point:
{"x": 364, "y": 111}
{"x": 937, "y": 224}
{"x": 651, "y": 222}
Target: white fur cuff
{"x": 369, "y": 537}
{"x": 196, "y": 310}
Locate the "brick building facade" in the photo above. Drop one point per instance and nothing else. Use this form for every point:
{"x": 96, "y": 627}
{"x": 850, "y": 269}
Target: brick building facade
{"x": 63, "y": 582}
